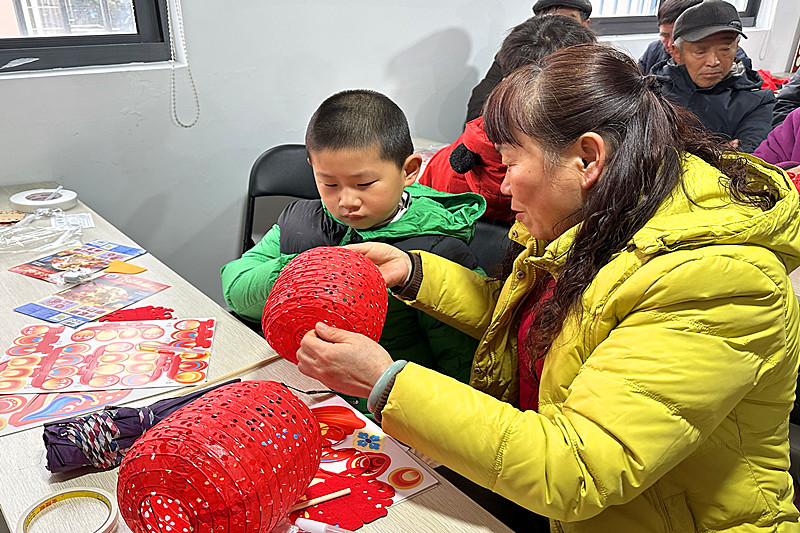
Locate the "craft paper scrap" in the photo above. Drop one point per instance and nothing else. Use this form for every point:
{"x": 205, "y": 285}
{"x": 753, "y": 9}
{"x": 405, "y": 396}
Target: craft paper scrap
{"x": 107, "y": 356}
{"x": 90, "y": 257}
{"x": 376, "y": 456}
{"x": 71, "y": 220}
{"x": 92, "y": 299}
{"x": 25, "y": 411}
{"x": 121, "y": 267}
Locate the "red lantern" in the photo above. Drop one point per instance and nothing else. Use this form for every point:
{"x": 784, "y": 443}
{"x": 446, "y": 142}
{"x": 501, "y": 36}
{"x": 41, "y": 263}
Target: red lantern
{"x": 337, "y": 286}
{"x": 233, "y": 461}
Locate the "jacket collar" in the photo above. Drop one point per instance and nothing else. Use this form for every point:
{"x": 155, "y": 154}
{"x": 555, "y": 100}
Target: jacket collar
{"x": 739, "y": 77}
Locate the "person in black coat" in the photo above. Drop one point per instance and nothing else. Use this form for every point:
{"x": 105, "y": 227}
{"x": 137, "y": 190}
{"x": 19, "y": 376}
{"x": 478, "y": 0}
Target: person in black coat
{"x": 787, "y": 101}
{"x": 706, "y": 77}
{"x": 662, "y": 49}
{"x": 580, "y": 10}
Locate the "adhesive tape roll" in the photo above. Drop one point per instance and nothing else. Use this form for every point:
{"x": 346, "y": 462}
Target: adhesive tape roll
{"x": 30, "y": 201}
{"x": 108, "y": 526}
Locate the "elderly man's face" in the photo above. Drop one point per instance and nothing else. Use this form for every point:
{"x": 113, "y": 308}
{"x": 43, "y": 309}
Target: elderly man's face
{"x": 665, "y": 36}
{"x": 708, "y": 60}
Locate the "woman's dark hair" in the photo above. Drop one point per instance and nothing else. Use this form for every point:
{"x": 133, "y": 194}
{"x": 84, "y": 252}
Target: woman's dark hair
{"x": 596, "y": 88}
{"x": 360, "y": 119}
{"x": 539, "y": 36}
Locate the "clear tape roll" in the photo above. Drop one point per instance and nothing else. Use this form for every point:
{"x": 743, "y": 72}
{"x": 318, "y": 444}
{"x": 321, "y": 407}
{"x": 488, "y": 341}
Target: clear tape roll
{"x": 30, "y": 201}
{"x": 108, "y": 526}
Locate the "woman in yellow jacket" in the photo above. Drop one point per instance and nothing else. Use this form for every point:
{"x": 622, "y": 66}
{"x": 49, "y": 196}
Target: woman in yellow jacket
{"x": 637, "y": 368}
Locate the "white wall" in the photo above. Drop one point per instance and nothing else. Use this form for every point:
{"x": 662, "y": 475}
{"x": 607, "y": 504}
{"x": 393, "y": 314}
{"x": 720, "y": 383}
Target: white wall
{"x": 261, "y": 68}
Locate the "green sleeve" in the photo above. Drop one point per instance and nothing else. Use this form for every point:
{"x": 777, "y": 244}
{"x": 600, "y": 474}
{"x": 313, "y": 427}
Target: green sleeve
{"x": 246, "y": 281}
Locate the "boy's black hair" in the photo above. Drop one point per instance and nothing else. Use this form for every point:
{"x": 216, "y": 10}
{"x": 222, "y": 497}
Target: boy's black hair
{"x": 360, "y": 118}
{"x": 539, "y": 36}
{"x": 670, "y": 10}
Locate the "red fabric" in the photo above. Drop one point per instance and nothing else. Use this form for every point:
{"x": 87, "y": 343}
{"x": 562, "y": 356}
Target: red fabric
{"x": 795, "y": 179}
{"x": 529, "y": 383}
{"x": 770, "y": 81}
{"x": 484, "y": 178}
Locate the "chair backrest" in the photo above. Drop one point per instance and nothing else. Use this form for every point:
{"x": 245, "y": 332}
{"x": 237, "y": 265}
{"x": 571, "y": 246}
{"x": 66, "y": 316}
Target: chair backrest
{"x": 282, "y": 170}
{"x": 490, "y": 245}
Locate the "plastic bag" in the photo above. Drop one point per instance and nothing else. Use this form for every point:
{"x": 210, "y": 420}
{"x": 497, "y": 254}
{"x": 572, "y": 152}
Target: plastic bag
{"x": 23, "y": 237}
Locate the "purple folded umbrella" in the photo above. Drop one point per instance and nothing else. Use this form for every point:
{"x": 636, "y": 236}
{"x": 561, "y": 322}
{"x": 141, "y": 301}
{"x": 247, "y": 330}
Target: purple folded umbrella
{"x": 101, "y": 439}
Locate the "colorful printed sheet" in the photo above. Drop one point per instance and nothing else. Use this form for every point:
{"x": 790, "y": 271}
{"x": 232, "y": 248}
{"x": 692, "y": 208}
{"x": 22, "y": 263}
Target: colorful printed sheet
{"x": 25, "y": 411}
{"x": 107, "y": 356}
{"x": 92, "y": 299}
{"x": 92, "y": 257}
{"x": 360, "y": 453}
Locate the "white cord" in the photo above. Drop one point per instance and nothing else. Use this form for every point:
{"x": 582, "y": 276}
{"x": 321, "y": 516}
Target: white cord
{"x": 176, "y": 6}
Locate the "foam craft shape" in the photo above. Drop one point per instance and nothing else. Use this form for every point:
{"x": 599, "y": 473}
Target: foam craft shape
{"x": 121, "y": 267}
{"x": 334, "y": 285}
{"x": 234, "y": 461}
{"x": 148, "y": 312}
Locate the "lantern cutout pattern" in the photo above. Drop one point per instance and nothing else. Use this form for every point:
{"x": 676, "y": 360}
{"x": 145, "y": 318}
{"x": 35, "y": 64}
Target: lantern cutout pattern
{"x": 233, "y": 461}
{"x": 337, "y": 286}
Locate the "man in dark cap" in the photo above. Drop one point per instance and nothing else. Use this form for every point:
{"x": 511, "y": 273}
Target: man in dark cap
{"x": 580, "y": 10}
{"x": 706, "y": 77}
{"x": 662, "y": 49}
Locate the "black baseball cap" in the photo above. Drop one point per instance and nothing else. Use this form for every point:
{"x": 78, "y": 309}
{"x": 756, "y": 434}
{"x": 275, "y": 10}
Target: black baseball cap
{"x": 707, "y": 18}
{"x": 584, "y": 6}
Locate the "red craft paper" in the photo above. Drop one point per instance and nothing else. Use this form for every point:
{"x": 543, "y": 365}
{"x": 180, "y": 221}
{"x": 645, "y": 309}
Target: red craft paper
{"x": 333, "y": 285}
{"x": 148, "y": 312}
{"x": 368, "y": 500}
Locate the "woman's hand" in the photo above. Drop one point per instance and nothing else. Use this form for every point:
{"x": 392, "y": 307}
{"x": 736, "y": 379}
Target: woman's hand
{"x": 344, "y": 361}
{"x": 394, "y": 264}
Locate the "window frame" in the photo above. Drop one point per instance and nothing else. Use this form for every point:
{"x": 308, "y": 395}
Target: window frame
{"x": 606, "y": 26}
{"x": 150, "y": 44}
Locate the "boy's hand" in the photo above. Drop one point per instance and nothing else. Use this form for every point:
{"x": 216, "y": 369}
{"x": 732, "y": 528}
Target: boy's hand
{"x": 344, "y": 361}
{"x": 394, "y": 264}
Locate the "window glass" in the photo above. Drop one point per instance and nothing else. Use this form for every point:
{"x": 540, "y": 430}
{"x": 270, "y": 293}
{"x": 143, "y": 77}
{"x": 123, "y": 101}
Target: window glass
{"x": 635, "y": 8}
{"x": 48, "y": 34}
{"x": 53, "y": 18}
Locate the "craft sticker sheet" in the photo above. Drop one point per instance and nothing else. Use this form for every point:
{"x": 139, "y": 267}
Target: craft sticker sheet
{"x": 90, "y": 300}
{"x": 108, "y": 356}
{"x": 24, "y": 411}
{"x": 358, "y": 455}
{"x": 92, "y": 257}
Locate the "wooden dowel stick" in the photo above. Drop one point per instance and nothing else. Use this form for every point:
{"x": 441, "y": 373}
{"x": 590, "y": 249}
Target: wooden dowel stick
{"x": 230, "y": 375}
{"x": 319, "y": 499}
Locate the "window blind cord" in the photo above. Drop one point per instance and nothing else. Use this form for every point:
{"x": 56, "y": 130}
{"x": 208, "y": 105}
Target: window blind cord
{"x": 172, "y": 51}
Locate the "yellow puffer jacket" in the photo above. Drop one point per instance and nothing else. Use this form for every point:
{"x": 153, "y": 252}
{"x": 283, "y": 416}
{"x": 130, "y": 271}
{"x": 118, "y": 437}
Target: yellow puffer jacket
{"x": 665, "y": 407}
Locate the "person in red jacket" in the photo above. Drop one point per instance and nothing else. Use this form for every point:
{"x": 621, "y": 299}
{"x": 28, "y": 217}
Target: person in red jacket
{"x": 471, "y": 163}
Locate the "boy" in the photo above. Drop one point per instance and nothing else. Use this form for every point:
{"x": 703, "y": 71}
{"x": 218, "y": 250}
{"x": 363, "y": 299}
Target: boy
{"x": 360, "y": 149}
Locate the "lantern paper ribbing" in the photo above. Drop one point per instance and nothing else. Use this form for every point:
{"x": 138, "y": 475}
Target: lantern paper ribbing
{"x": 337, "y": 286}
{"x": 233, "y": 461}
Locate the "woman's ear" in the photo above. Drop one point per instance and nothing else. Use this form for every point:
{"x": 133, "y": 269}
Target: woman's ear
{"x": 591, "y": 148}
{"x": 411, "y": 169}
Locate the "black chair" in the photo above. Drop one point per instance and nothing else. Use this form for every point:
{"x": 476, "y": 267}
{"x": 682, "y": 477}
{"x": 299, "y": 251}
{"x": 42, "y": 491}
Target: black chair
{"x": 282, "y": 170}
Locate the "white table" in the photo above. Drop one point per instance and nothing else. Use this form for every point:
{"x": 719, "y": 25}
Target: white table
{"x": 23, "y": 477}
